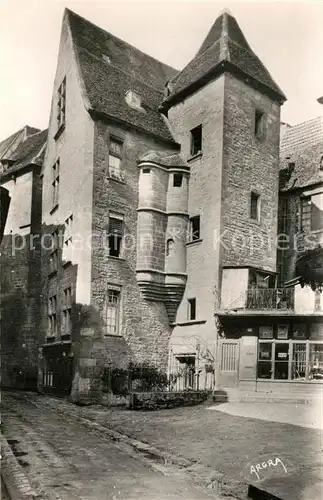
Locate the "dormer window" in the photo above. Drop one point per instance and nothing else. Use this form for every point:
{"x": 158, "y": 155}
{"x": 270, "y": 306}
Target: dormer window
{"x": 133, "y": 99}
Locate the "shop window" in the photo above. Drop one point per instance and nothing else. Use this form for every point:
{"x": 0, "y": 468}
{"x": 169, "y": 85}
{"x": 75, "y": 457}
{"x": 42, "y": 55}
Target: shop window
{"x": 299, "y": 361}
{"x": 316, "y": 362}
{"x": 264, "y": 360}
{"x": 281, "y": 361}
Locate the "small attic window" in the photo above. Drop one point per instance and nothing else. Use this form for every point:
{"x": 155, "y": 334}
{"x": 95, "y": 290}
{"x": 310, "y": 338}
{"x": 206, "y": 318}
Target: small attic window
{"x": 133, "y": 99}
{"x": 106, "y": 58}
{"x": 321, "y": 164}
{"x": 146, "y": 170}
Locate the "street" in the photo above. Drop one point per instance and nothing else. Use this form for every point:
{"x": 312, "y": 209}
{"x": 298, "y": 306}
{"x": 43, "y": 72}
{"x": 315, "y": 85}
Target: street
{"x": 65, "y": 460}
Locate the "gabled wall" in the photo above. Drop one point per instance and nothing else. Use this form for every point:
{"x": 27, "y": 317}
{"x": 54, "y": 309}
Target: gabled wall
{"x": 74, "y": 148}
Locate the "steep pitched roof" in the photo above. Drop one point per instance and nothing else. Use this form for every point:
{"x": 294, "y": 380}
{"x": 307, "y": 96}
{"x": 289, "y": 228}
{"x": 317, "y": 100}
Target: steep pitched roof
{"x": 110, "y": 68}
{"x": 7, "y": 143}
{"x": 29, "y": 152}
{"x": 224, "y": 49}
{"x": 303, "y": 168}
{"x": 302, "y": 135}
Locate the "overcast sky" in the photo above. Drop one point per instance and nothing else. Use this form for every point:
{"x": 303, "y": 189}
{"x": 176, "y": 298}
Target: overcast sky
{"x": 287, "y": 36}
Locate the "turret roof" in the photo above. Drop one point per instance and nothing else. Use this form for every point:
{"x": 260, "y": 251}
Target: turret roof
{"x": 224, "y": 49}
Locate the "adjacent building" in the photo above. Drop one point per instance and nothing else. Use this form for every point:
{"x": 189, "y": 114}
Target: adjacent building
{"x": 20, "y": 259}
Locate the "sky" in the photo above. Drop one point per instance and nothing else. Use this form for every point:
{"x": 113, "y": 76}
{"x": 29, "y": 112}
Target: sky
{"x": 287, "y": 36}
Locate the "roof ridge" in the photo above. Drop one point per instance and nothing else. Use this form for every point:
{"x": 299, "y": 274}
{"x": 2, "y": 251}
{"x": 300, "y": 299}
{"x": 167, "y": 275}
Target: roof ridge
{"x": 69, "y": 11}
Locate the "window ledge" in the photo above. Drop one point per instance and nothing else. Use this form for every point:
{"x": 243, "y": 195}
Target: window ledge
{"x": 53, "y": 210}
{"x": 194, "y": 242}
{"x": 59, "y": 131}
{"x": 195, "y": 157}
{"x": 112, "y": 335}
{"x": 121, "y": 181}
{"x": 191, "y": 322}
{"x": 113, "y": 257}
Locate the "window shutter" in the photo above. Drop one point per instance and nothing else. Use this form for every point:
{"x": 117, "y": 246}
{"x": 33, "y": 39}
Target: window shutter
{"x": 115, "y": 226}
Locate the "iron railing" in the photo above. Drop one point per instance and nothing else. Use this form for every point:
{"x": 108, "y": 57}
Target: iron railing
{"x": 270, "y": 298}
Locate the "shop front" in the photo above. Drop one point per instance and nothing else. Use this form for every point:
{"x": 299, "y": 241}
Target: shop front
{"x": 272, "y": 354}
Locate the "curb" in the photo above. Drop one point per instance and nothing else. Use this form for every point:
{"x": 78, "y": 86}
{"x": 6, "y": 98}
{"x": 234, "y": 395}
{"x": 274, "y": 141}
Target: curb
{"x": 13, "y": 476}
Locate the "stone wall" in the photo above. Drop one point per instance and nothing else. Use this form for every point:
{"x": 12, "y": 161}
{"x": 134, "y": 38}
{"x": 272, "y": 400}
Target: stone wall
{"x": 21, "y": 332}
{"x": 163, "y": 400}
{"x": 250, "y": 164}
{"x": 144, "y": 325}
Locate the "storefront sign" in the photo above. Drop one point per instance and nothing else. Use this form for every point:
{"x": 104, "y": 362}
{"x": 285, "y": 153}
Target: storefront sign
{"x": 282, "y": 332}
{"x": 299, "y": 331}
{"x": 266, "y": 332}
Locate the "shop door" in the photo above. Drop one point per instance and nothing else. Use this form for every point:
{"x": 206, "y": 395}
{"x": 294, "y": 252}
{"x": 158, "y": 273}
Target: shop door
{"x": 228, "y": 363}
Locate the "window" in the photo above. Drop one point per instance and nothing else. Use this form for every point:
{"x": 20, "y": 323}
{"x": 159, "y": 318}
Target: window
{"x": 53, "y": 258}
{"x": 61, "y": 104}
{"x": 191, "y": 309}
{"x": 146, "y": 170}
{"x": 196, "y": 140}
{"x": 316, "y": 362}
{"x": 259, "y": 124}
{"x": 169, "y": 246}
{"x": 115, "y": 234}
{"x": 177, "y": 180}
{"x": 255, "y": 206}
{"x": 68, "y": 240}
{"x": 112, "y": 312}
{"x": 264, "y": 360}
{"x": 52, "y": 316}
{"x": 55, "y": 184}
{"x": 115, "y": 158}
{"x": 66, "y": 312}
{"x": 194, "y": 228}
{"x": 306, "y": 214}
{"x": 312, "y": 213}
{"x": 317, "y": 300}
{"x": 290, "y": 356}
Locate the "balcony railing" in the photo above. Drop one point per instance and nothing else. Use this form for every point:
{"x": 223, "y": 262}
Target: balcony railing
{"x": 270, "y": 298}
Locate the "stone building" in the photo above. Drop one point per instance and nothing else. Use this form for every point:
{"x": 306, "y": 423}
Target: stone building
{"x": 160, "y": 200}
{"x": 20, "y": 260}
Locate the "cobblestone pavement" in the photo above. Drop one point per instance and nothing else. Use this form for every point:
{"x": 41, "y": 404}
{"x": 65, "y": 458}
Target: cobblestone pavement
{"x": 231, "y": 444}
{"x": 64, "y": 460}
